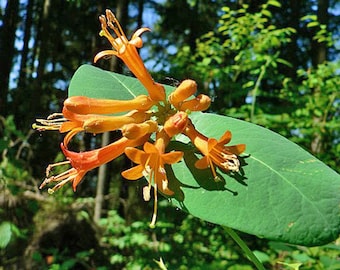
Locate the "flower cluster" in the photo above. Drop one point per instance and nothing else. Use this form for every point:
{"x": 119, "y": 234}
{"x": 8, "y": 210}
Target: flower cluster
{"x": 138, "y": 119}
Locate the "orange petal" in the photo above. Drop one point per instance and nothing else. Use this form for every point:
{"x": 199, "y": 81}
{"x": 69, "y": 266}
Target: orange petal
{"x": 172, "y": 157}
{"x": 71, "y": 134}
{"x": 150, "y": 148}
{"x": 226, "y": 137}
{"x": 133, "y": 173}
{"x": 78, "y": 179}
{"x": 202, "y": 163}
{"x": 136, "y": 155}
{"x": 139, "y": 32}
{"x": 236, "y": 149}
{"x": 211, "y": 143}
{"x": 104, "y": 54}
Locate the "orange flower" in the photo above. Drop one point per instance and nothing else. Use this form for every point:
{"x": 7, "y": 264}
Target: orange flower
{"x": 127, "y": 51}
{"x": 215, "y": 152}
{"x": 86, "y": 161}
{"x": 151, "y": 164}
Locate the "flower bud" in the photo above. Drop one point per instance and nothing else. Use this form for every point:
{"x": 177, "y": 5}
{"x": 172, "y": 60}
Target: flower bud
{"x": 176, "y": 123}
{"x": 133, "y": 131}
{"x": 200, "y": 103}
{"x": 186, "y": 89}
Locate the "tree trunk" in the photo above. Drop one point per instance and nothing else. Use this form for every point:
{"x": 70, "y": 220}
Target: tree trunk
{"x": 140, "y": 13}
{"x": 7, "y": 50}
{"x": 25, "y": 48}
{"x": 319, "y": 49}
{"x": 102, "y": 175}
{"x": 43, "y": 39}
{"x": 292, "y": 47}
{"x": 319, "y": 55}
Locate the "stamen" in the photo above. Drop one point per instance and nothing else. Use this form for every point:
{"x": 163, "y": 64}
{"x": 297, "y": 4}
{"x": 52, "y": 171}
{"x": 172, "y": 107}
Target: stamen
{"x": 104, "y": 32}
{"x": 55, "y": 115}
{"x": 212, "y": 167}
{"x": 59, "y": 185}
{"x": 112, "y": 20}
{"x": 51, "y": 166}
{"x": 154, "y": 215}
{"x": 62, "y": 178}
{"x": 53, "y": 122}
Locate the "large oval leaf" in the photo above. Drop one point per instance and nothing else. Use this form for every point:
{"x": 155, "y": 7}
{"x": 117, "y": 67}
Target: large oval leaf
{"x": 282, "y": 193}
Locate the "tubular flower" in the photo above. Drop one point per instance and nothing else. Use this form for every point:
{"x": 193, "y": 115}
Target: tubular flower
{"x": 102, "y": 123}
{"x": 215, "y": 152}
{"x": 86, "y": 161}
{"x": 127, "y": 51}
{"x": 139, "y": 118}
{"x": 86, "y": 105}
{"x": 151, "y": 164}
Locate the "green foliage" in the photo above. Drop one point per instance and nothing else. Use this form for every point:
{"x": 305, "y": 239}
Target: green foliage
{"x": 321, "y": 35}
{"x": 184, "y": 242}
{"x": 175, "y": 241}
{"x": 315, "y": 117}
{"x": 274, "y": 171}
{"x": 232, "y": 61}
{"x": 5, "y": 233}
{"x": 240, "y": 65}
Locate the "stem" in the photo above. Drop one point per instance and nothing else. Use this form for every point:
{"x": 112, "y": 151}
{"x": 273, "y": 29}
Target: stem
{"x": 245, "y": 248}
{"x": 256, "y": 87}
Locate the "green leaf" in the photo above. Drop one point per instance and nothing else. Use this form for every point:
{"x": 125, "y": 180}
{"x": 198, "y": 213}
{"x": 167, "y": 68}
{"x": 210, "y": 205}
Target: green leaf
{"x": 5, "y": 234}
{"x": 266, "y": 13}
{"x": 313, "y": 24}
{"x": 94, "y": 82}
{"x": 282, "y": 193}
{"x": 274, "y": 3}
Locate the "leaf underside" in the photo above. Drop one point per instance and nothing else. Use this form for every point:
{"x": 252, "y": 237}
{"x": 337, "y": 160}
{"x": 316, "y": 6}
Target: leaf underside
{"x": 281, "y": 193}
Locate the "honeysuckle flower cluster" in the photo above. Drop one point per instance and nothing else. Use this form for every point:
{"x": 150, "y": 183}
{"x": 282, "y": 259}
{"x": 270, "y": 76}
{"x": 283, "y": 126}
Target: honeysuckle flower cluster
{"x": 142, "y": 116}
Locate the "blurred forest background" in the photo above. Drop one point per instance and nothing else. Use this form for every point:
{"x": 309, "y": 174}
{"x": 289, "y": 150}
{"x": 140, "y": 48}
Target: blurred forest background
{"x": 274, "y": 63}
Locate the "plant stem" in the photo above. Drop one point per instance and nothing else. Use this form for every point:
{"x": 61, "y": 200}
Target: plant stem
{"x": 245, "y": 248}
{"x": 256, "y": 87}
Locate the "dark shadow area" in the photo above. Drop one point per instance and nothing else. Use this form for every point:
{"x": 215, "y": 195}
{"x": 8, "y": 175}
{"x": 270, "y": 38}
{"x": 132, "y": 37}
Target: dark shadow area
{"x": 203, "y": 178}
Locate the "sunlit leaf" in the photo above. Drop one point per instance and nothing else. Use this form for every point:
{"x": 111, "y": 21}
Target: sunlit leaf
{"x": 5, "y": 234}
{"x": 282, "y": 193}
